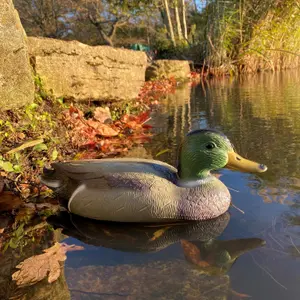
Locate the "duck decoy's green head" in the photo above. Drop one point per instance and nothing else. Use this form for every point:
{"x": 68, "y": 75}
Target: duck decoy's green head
{"x": 204, "y": 150}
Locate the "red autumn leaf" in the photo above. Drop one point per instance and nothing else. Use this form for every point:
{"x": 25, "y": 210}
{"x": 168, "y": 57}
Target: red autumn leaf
{"x": 132, "y": 124}
{"x": 125, "y": 118}
{"x": 147, "y": 126}
{"x": 143, "y": 117}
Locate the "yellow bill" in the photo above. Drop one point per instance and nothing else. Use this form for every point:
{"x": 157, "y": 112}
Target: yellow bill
{"x": 236, "y": 162}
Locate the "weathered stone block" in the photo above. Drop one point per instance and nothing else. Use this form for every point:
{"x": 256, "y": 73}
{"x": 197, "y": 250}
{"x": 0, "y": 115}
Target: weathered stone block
{"x": 75, "y": 70}
{"x": 166, "y": 68}
{"x": 16, "y": 79}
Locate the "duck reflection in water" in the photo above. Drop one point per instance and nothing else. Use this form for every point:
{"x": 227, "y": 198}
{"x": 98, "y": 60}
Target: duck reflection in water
{"x": 197, "y": 239}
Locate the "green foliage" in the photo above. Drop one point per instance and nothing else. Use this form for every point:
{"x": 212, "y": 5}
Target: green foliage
{"x": 29, "y": 137}
{"x": 243, "y": 32}
{"x": 275, "y": 41}
{"x": 10, "y": 166}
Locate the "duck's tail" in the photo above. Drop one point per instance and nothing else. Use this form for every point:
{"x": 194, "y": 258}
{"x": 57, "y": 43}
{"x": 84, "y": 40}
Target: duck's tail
{"x": 51, "y": 179}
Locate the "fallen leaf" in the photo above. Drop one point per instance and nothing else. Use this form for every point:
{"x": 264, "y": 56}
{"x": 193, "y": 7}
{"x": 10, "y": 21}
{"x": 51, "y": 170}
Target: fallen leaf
{"x": 192, "y": 254}
{"x": 102, "y": 114}
{"x": 38, "y": 267}
{"x": 107, "y": 232}
{"x": 4, "y": 220}
{"x": 157, "y": 234}
{"x": 1, "y": 184}
{"x": 25, "y": 145}
{"x": 70, "y": 248}
{"x": 162, "y": 152}
{"x": 217, "y": 175}
{"x": 102, "y": 129}
{"x": 239, "y": 295}
{"x": 9, "y": 201}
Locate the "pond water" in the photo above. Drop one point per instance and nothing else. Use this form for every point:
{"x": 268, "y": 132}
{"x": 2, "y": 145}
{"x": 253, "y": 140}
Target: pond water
{"x": 254, "y": 251}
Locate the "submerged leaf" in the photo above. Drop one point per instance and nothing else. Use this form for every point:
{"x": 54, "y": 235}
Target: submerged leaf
{"x": 239, "y": 295}
{"x": 157, "y": 234}
{"x": 38, "y": 267}
{"x": 192, "y": 254}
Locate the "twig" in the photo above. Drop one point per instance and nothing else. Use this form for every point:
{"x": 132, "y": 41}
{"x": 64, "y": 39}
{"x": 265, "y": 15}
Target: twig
{"x": 270, "y": 235}
{"x": 233, "y": 189}
{"x": 146, "y": 121}
{"x": 241, "y": 211}
{"x": 254, "y": 260}
{"x": 99, "y": 294}
{"x": 25, "y": 145}
{"x": 214, "y": 288}
{"x": 272, "y": 249}
{"x": 294, "y": 245}
{"x": 202, "y": 71}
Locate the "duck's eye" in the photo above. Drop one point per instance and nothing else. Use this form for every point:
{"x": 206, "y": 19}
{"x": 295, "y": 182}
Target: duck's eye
{"x": 210, "y": 146}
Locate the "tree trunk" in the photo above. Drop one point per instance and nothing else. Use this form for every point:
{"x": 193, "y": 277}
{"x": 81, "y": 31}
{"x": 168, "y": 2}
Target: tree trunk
{"x": 185, "y": 34}
{"x": 171, "y": 32}
{"x": 178, "y": 23}
{"x": 195, "y": 6}
{"x": 107, "y": 38}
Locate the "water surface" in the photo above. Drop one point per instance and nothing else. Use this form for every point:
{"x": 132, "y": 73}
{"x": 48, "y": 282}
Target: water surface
{"x": 255, "y": 253}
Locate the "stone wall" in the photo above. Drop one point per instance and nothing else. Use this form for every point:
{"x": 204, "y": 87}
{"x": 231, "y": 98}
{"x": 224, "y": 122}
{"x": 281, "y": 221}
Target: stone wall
{"x": 165, "y": 68}
{"x": 16, "y": 80}
{"x": 81, "y": 72}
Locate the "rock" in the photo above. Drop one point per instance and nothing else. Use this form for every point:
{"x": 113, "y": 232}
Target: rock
{"x": 154, "y": 280}
{"x": 165, "y": 68}
{"x": 16, "y": 80}
{"x": 81, "y": 72}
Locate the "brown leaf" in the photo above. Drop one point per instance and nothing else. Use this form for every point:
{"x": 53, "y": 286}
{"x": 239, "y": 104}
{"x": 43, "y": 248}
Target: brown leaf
{"x": 102, "y": 114}
{"x": 4, "y": 220}
{"x": 239, "y": 295}
{"x": 9, "y": 201}
{"x": 38, "y": 267}
{"x": 191, "y": 252}
{"x": 70, "y": 248}
{"x": 102, "y": 129}
{"x": 217, "y": 175}
{"x": 1, "y": 184}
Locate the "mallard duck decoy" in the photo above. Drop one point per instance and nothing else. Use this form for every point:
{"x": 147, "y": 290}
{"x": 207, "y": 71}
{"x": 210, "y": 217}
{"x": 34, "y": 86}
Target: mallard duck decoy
{"x": 142, "y": 190}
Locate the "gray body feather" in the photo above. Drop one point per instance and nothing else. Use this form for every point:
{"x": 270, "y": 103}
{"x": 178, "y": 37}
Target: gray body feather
{"x": 135, "y": 190}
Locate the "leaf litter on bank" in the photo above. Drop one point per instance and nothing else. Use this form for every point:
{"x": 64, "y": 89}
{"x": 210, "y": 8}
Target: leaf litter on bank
{"x": 50, "y": 130}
